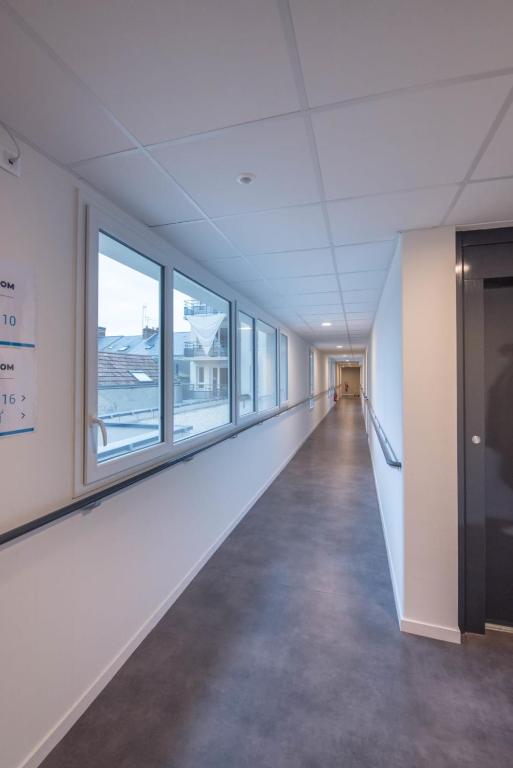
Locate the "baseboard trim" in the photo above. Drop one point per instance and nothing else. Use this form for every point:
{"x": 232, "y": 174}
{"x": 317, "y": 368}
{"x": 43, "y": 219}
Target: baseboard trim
{"x": 411, "y": 626}
{"x": 433, "y": 631}
{"x": 393, "y": 579}
{"x": 57, "y": 733}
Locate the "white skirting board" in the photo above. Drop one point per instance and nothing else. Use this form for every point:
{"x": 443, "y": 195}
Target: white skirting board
{"x": 434, "y": 631}
{"x": 57, "y": 733}
{"x": 411, "y": 626}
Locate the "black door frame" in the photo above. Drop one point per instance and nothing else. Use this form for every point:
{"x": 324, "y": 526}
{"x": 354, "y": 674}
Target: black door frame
{"x": 480, "y": 254}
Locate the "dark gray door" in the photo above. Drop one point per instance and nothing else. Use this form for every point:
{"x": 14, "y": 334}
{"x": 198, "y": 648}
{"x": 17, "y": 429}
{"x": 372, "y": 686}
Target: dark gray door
{"x": 498, "y": 353}
{"x": 486, "y": 438}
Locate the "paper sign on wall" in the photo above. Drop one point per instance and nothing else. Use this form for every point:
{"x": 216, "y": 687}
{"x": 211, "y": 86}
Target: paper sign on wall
{"x": 17, "y": 305}
{"x": 17, "y": 349}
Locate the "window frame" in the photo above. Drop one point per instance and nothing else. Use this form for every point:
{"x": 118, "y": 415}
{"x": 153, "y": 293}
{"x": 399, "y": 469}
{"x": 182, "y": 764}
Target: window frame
{"x": 189, "y": 443}
{"x": 245, "y": 417}
{"x": 282, "y": 335}
{"x": 94, "y": 471}
{"x": 276, "y": 406}
{"x": 311, "y": 376}
{"x": 95, "y": 216}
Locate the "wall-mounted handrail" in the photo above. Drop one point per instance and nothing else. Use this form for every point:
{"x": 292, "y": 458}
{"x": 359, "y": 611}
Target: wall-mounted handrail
{"x": 388, "y": 452}
{"x": 95, "y": 499}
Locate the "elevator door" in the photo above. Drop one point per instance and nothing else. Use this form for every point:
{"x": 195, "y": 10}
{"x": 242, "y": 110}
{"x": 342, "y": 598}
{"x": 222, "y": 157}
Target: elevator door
{"x": 498, "y": 358}
{"x": 486, "y": 435}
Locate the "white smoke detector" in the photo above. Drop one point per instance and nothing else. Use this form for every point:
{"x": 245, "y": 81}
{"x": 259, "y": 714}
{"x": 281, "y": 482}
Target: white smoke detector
{"x": 246, "y": 178}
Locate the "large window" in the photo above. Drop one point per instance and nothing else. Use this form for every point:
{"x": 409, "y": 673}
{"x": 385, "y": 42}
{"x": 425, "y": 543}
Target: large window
{"x": 201, "y": 364}
{"x": 284, "y": 368}
{"x": 266, "y": 366}
{"x": 128, "y": 375}
{"x": 157, "y": 367}
{"x": 246, "y": 340}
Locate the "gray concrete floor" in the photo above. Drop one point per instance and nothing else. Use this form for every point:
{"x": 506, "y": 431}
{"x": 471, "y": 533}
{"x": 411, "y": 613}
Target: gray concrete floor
{"x": 285, "y": 650}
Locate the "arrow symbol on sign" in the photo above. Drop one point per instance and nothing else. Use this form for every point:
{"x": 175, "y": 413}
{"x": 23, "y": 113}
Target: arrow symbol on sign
{"x": 23, "y": 398}
{"x": 22, "y": 415}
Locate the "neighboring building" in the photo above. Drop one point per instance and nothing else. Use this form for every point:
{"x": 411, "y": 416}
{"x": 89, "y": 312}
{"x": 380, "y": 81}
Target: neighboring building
{"x": 201, "y": 355}
{"x": 128, "y": 373}
{"x": 127, "y": 382}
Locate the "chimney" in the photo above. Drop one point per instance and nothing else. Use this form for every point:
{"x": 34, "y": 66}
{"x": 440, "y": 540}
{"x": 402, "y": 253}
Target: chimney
{"x": 101, "y": 332}
{"x": 147, "y": 331}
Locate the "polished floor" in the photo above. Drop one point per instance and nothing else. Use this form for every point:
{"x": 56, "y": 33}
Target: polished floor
{"x": 285, "y": 650}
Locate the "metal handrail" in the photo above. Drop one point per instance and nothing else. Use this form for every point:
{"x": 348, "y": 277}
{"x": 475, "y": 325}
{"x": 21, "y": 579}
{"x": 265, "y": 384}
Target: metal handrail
{"x": 95, "y": 499}
{"x": 388, "y": 452}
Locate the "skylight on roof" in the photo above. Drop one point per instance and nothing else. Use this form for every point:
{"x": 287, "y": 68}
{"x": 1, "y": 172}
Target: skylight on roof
{"x": 140, "y": 376}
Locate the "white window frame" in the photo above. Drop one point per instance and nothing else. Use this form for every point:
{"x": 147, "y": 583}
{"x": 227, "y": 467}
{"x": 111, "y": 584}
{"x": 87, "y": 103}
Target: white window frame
{"x": 245, "y": 417}
{"x": 282, "y": 335}
{"x": 276, "y": 406}
{"x": 311, "y": 376}
{"x": 95, "y": 216}
{"x": 189, "y": 443}
{"x": 95, "y": 472}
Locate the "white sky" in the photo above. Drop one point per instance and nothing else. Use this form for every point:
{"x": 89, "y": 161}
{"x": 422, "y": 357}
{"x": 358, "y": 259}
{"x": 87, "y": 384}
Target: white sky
{"x": 124, "y": 294}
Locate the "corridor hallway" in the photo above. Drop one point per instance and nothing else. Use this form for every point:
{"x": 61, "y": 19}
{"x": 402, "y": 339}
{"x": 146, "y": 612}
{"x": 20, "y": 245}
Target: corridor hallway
{"x": 285, "y": 650}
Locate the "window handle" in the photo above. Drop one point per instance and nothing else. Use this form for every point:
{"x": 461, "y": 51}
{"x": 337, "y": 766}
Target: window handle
{"x": 103, "y": 429}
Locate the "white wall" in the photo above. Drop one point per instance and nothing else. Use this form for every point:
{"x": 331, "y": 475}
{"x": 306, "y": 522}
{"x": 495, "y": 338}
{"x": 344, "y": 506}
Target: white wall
{"x": 430, "y": 470}
{"x": 415, "y": 401}
{"x": 384, "y": 388}
{"x": 77, "y": 597}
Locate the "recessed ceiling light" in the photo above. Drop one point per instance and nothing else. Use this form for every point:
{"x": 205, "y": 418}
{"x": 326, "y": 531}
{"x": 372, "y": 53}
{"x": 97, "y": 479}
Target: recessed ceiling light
{"x": 340, "y": 346}
{"x": 246, "y": 178}
{"x": 325, "y": 324}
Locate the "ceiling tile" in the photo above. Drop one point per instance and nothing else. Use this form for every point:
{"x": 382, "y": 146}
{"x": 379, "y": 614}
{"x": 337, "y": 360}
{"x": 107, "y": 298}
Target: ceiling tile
{"x": 288, "y": 316}
{"x": 359, "y": 258}
{"x": 131, "y": 180}
{"x": 309, "y": 300}
{"x": 360, "y": 296}
{"x": 46, "y": 106}
{"x": 287, "y": 229}
{"x": 363, "y": 280}
{"x": 498, "y": 158}
{"x": 275, "y": 151}
{"x": 484, "y": 201}
{"x": 407, "y": 140}
{"x": 359, "y": 47}
{"x": 259, "y": 291}
{"x": 317, "y": 325}
{"x": 306, "y": 285}
{"x": 368, "y": 307}
{"x": 382, "y": 216}
{"x": 295, "y": 263}
{"x": 233, "y": 270}
{"x": 169, "y": 69}
{"x": 328, "y": 313}
{"x": 199, "y": 240}
{"x": 360, "y": 315}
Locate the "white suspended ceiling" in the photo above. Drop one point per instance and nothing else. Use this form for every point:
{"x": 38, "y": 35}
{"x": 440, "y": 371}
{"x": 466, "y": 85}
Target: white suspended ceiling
{"x": 359, "y": 119}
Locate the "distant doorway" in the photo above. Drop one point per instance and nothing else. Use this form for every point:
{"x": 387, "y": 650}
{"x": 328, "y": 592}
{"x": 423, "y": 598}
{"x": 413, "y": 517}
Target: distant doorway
{"x": 350, "y": 380}
{"x": 486, "y": 430}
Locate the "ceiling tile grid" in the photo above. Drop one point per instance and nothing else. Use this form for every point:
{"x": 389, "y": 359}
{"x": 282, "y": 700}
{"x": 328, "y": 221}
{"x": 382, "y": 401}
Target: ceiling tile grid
{"x": 361, "y": 120}
{"x": 133, "y": 182}
{"x": 407, "y": 140}
{"x": 199, "y": 240}
{"x": 276, "y": 152}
